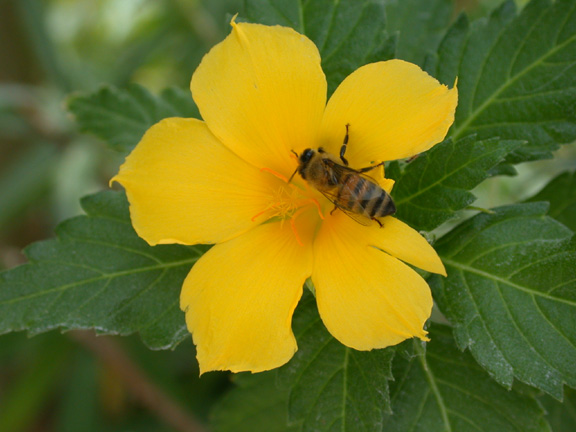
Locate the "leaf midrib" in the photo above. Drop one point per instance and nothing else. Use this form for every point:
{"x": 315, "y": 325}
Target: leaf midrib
{"x": 462, "y": 128}
{"x": 498, "y": 279}
{"x": 118, "y": 115}
{"x": 161, "y": 266}
{"x": 433, "y": 387}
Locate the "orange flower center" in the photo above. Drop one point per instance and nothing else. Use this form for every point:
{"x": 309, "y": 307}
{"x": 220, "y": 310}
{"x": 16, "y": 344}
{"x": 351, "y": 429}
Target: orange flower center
{"x": 287, "y": 201}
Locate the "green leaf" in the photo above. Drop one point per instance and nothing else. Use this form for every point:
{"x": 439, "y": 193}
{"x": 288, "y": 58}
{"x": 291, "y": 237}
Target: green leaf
{"x": 120, "y": 117}
{"x": 348, "y": 34}
{"x": 99, "y": 274}
{"x": 511, "y": 295}
{"x": 420, "y": 25}
{"x": 445, "y": 390}
{"x": 333, "y": 387}
{"x": 516, "y": 76}
{"x": 255, "y": 404}
{"x": 561, "y": 194}
{"x": 437, "y": 184}
{"x": 561, "y": 415}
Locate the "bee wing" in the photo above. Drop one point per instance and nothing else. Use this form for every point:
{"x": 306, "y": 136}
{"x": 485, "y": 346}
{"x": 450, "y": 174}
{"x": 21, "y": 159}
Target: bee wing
{"x": 361, "y": 219}
{"x": 341, "y": 169}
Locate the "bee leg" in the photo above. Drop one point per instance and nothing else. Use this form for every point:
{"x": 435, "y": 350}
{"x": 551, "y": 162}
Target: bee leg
{"x": 379, "y": 223}
{"x": 344, "y": 144}
{"x": 410, "y": 159}
{"x": 334, "y": 209}
{"x": 370, "y": 168}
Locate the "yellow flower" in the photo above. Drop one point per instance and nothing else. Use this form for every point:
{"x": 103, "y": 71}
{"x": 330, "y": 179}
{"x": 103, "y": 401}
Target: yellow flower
{"x": 223, "y": 181}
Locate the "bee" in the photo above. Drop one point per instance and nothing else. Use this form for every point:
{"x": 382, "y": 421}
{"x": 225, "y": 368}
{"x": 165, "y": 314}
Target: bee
{"x": 349, "y": 189}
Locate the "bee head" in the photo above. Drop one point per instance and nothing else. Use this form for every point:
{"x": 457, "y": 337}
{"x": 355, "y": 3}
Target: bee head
{"x": 306, "y": 155}
{"x": 303, "y": 159}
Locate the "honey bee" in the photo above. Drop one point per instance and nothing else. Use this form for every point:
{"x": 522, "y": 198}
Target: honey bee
{"x": 349, "y": 189}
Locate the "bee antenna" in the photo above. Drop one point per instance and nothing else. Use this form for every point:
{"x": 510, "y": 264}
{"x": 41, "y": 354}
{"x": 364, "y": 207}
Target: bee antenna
{"x": 292, "y": 176}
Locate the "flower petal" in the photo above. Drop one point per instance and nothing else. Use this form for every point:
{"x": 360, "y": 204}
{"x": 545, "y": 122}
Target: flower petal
{"x": 240, "y": 296}
{"x": 262, "y": 92}
{"x": 396, "y": 238}
{"x": 394, "y": 109}
{"x": 367, "y": 299}
{"x": 185, "y": 187}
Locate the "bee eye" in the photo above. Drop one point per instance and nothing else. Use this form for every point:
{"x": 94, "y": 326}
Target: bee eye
{"x": 306, "y": 155}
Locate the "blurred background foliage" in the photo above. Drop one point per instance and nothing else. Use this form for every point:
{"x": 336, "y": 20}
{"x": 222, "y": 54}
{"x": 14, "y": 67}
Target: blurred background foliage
{"x": 48, "y": 49}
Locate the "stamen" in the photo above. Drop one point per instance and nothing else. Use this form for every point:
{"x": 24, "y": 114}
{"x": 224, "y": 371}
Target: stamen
{"x": 253, "y": 218}
{"x": 293, "y": 225}
{"x": 276, "y": 174}
{"x": 295, "y": 231}
{"x": 317, "y": 204}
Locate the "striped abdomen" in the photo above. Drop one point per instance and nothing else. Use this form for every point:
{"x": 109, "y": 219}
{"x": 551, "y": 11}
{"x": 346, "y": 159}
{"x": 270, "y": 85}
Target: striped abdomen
{"x": 360, "y": 195}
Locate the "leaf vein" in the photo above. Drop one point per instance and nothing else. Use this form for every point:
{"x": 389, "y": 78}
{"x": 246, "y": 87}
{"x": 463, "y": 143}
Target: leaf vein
{"x": 475, "y": 113}
{"x": 531, "y": 347}
{"x": 495, "y": 278}
{"x": 75, "y": 284}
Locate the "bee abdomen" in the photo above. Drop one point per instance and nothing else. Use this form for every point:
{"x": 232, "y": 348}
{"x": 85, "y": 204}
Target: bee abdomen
{"x": 362, "y": 196}
{"x": 351, "y": 192}
{"x": 380, "y": 206}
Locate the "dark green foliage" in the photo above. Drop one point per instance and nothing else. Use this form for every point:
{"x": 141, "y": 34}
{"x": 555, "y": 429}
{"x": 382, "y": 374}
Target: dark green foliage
{"x": 419, "y": 24}
{"x": 561, "y": 415}
{"x": 442, "y": 389}
{"x": 99, "y": 274}
{"x": 333, "y": 387}
{"x": 120, "y": 117}
{"x": 256, "y": 404}
{"x": 511, "y": 295}
{"x": 437, "y": 184}
{"x": 516, "y": 76}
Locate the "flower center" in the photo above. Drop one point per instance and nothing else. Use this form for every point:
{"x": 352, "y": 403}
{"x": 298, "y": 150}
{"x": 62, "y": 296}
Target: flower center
{"x": 288, "y": 201}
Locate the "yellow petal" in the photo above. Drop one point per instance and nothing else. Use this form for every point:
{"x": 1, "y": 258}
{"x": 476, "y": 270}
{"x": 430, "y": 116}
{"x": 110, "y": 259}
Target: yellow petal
{"x": 240, "y": 296}
{"x": 262, "y": 92}
{"x": 396, "y": 238}
{"x": 394, "y": 109}
{"x": 367, "y": 299}
{"x": 185, "y": 187}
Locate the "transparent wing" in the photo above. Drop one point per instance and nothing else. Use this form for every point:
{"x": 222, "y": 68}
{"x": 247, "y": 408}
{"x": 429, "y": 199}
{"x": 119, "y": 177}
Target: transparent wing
{"x": 360, "y": 218}
{"x": 342, "y": 169}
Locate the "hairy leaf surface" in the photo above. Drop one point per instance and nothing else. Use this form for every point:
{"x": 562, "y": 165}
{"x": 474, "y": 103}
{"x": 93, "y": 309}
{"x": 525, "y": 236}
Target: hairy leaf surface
{"x": 333, "y": 387}
{"x": 99, "y": 274}
{"x": 121, "y": 116}
{"x": 437, "y": 184}
{"x": 511, "y": 294}
{"x": 419, "y": 26}
{"x": 255, "y": 404}
{"x": 516, "y": 75}
{"x": 443, "y": 389}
